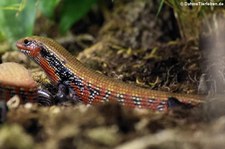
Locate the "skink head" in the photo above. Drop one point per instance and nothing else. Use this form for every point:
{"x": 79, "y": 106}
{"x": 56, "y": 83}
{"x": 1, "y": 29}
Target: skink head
{"x": 29, "y": 46}
{"x": 36, "y": 47}
{"x": 47, "y": 53}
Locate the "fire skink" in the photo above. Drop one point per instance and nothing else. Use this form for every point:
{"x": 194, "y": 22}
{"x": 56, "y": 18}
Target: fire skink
{"x": 91, "y": 87}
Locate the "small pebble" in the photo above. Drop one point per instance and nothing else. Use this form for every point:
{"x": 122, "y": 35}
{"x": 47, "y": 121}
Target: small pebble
{"x": 13, "y": 102}
{"x": 28, "y": 105}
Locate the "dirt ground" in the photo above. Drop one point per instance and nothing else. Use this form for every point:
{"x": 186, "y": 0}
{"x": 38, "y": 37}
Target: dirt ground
{"x": 131, "y": 44}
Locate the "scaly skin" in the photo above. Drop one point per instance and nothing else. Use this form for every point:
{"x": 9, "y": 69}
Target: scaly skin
{"x": 92, "y": 87}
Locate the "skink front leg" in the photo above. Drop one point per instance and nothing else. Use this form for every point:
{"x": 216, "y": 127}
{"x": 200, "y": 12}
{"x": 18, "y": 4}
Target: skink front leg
{"x": 61, "y": 95}
{"x": 47, "y": 98}
{"x": 65, "y": 93}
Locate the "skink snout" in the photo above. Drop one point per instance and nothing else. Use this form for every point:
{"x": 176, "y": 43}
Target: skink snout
{"x": 19, "y": 45}
{"x": 23, "y": 43}
{"x": 28, "y": 46}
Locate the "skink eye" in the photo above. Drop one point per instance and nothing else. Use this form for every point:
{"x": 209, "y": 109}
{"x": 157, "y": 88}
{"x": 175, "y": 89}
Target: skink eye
{"x": 26, "y": 42}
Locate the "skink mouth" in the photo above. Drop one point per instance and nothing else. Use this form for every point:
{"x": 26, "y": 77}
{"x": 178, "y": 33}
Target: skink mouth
{"x": 22, "y": 48}
{"x": 19, "y": 45}
{"x": 25, "y": 51}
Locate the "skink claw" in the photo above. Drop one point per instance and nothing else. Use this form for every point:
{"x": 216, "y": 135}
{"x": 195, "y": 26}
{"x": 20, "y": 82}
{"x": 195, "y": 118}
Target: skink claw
{"x": 45, "y": 98}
